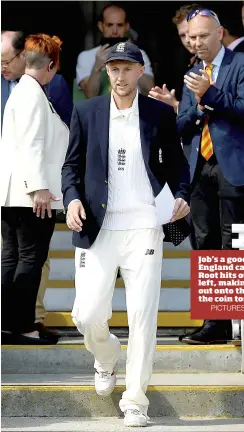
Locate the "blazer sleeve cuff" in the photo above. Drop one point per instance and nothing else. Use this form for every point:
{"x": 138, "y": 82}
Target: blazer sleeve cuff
{"x": 184, "y": 194}
{"x": 31, "y": 187}
{"x": 71, "y": 195}
{"x": 209, "y": 98}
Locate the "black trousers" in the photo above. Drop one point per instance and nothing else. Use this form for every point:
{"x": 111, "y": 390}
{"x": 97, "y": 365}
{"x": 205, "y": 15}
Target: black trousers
{"x": 26, "y": 240}
{"x": 215, "y": 206}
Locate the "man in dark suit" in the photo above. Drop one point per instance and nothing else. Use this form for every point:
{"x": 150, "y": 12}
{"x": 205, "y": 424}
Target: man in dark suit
{"x": 123, "y": 148}
{"x": 13, "y": 66}
{"x": 233, "y": 37}
{"x": 211, "y": 116}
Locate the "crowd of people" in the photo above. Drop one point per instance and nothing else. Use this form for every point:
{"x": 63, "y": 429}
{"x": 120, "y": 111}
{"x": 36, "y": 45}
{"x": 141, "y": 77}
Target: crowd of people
{"x": 104, "y": 161}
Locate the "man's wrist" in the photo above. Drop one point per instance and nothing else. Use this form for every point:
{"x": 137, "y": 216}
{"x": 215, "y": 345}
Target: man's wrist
{"x": 76, "y": 199}
{"x": 201, "y": 107}
{"x": 176, "y": 106}
{"x": 97, "y": 69}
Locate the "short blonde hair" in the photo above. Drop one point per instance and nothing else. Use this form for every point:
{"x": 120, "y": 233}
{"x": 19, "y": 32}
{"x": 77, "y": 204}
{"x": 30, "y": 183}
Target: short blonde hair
{"x": 182, "y": 13}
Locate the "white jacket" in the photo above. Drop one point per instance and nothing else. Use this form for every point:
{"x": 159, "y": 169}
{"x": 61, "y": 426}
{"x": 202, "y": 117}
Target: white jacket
{"x": 33, "y": 147}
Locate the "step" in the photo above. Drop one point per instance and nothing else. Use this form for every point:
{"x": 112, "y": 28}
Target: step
{"x": 66, "y": 358}
{"x": 173, "y": 268}
{"x": 119, "y": 319}
{"x": 60, "y": 292}
{"x": 62, "y": 239}
{"x": 62, "y": 298}
{"x": 56, "y": 395}
{"x": 113, "y": 424}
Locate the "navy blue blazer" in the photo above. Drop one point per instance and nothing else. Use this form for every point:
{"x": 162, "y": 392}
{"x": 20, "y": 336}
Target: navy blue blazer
{"x": 85, "y": 171}
{"x": 226, "y": 119}
{"x": 57, "y": 91}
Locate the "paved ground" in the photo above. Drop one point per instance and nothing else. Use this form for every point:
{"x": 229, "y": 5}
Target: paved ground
{"x": 162, "y": 424}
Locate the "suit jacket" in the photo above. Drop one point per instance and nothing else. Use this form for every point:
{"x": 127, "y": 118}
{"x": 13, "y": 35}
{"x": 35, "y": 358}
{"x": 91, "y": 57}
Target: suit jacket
{"x": 225, "y": 110}
{"x": 57, "y": 91}
{"x": 239, "y": 47}
{"x": 33, "y": 148}
{"x": 85, "y": 171}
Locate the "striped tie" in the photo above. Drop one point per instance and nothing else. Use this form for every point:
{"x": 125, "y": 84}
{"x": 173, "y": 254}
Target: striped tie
{"x": 206, "y": 141}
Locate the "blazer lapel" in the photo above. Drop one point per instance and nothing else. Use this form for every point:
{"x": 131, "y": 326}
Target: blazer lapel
{"x": 102, "y": 129}
{"x": 224, "y": 69}
{"x": 145, "y": 129}
{"x": 146, "y": 126}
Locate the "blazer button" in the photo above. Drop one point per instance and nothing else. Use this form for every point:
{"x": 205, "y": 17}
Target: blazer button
{"x": 106, "y": 181}
{"x": 103, "y": 205}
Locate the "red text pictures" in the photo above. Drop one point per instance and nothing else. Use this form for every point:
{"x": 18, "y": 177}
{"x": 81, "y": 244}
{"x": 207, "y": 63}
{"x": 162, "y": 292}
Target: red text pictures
{"x": 217, "y": 284}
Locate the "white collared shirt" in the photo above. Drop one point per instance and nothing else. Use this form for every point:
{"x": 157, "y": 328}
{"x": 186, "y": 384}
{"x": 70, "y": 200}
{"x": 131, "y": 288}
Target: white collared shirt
{"x": 130, "y": 196}
{"x": 235, "y": 43}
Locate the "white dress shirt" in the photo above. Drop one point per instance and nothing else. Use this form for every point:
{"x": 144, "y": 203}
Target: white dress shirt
{"x": 235, "y": 43}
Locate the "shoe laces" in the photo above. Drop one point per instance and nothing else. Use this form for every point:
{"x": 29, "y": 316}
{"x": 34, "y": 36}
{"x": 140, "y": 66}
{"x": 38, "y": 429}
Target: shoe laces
{"x": 104, "y": 375}
{"x": 136, "y": 412}
{"x": 133, "y": 411}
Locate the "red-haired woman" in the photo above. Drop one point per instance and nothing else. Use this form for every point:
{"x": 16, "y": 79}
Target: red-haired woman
{"x": 34, "y": 144}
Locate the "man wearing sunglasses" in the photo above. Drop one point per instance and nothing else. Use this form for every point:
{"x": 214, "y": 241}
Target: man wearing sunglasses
{"x": 211, "y": 115}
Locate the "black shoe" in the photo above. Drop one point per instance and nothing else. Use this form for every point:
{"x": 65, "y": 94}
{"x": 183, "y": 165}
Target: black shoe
{"x": 207, "y": 335}
{"x": 189, "y": 334}
{"x": 45, "y": 333}
{"x": 6, "y": 338}
{"x": 19, "y": 339}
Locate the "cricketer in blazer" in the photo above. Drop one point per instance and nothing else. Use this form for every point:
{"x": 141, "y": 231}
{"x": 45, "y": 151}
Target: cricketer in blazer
{"x": 85, "y": 171}
{"x": 224, "y": 104}
{"x": 33, "y": 148}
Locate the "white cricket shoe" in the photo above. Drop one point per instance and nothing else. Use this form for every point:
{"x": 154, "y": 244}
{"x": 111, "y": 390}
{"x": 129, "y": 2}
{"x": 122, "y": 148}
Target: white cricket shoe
{"x": 104, "y": 383}
{"x": 135, "y": 418}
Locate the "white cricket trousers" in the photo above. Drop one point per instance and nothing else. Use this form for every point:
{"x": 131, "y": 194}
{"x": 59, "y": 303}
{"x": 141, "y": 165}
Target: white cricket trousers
{"x": 138, "y": 254}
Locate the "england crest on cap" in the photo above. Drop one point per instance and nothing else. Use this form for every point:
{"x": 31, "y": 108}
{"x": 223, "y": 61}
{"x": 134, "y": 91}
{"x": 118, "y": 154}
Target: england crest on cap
{"x": 121, "y": 47}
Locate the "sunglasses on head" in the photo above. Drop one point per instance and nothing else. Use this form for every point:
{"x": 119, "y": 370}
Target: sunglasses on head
{"x": 202, "y": 12}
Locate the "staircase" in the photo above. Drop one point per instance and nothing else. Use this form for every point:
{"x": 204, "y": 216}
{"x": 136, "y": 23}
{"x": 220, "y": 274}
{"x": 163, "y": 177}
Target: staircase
{"x": 54, "y": 385}
{"x": 175, "y": 286}
{"x": 51, "y": 387}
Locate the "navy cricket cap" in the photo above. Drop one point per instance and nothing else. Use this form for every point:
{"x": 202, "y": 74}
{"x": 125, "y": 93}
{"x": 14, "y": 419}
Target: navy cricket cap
{"x": 126, "y": 51}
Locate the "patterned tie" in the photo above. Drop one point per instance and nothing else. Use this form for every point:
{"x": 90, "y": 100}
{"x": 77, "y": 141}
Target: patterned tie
{"x": 206, "y": 141}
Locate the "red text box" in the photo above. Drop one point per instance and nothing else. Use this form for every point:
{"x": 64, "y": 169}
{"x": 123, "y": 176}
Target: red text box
{"x": 217, "y": 284}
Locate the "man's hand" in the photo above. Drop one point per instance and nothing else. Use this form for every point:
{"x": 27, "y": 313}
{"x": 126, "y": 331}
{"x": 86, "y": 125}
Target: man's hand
{"x": 198, "y": 84}
{"x": 181, "y": 209}
{"x": 75, "y": 213}
{"x": 101, "y": 57}
{"x": 42, "y": 203}
{"x": 164, "y": 95}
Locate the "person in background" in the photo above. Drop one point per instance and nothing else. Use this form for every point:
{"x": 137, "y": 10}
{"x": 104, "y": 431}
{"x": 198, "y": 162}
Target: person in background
{"x": 233, "y": 35}
{"x": 211, "y": 115}
{"x": 33, "y": 147}
{"x": 180, "y": 21}
{"x": 91, "y": 74}
{"x": 12, "y": 68}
